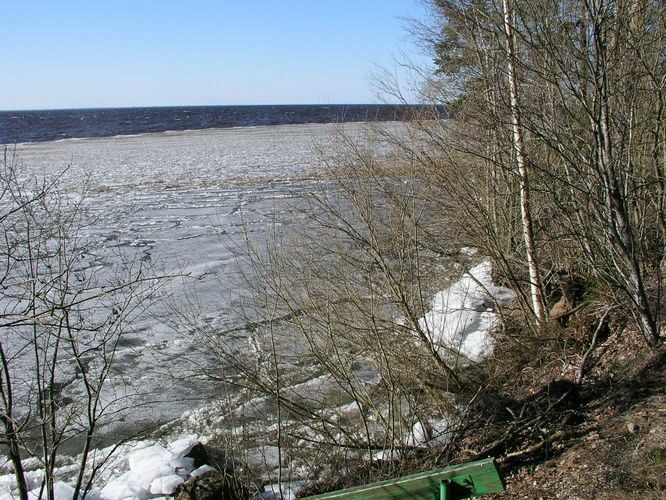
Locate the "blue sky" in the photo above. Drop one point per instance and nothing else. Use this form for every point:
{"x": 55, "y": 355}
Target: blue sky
{"x": 106, "y": 53}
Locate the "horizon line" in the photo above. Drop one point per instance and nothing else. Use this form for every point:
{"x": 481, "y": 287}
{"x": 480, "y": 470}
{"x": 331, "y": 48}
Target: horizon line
{"x": 85, "y": 108}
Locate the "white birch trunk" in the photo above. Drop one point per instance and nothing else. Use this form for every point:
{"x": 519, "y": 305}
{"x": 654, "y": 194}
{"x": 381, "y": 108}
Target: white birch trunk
{"x": 519, "y": 149}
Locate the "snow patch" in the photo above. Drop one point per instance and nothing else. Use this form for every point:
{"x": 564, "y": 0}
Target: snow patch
{"x": 153, "y": 470}
{"x": 165, "y": 485}
{"x": 462, "y": 316}
{"x": 202, "y": 470}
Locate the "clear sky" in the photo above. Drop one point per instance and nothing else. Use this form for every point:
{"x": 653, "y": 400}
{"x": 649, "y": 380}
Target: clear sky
{"x": 107, "y": 53}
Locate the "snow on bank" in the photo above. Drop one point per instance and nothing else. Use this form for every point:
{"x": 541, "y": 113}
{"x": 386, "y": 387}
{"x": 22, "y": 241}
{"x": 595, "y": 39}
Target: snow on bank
{"x": 462, "y": 316}
{"x": 153, "y": 470}
{"x": 138, "y": 470}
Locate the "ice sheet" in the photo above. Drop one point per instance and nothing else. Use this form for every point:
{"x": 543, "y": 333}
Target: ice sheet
{"x": 180, "y": 202}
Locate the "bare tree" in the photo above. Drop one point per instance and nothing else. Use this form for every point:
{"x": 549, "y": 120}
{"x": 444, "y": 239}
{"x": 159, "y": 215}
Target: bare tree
{"x": 64, "y": 314}
{"x": 335, "y": 319}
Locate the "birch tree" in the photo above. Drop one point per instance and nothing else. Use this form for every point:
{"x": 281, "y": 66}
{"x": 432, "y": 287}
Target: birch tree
{"x": 521, "y": 166}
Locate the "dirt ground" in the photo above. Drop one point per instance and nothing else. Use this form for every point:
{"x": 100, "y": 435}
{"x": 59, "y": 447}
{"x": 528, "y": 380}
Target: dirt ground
{"x": 614, "y": 446}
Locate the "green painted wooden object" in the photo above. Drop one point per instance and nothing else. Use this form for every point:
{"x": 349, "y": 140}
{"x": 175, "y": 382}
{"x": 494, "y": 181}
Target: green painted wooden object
{"x": 468, "y": 480}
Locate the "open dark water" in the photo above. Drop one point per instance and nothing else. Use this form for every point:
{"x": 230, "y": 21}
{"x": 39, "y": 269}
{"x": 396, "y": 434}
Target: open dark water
{"x": 50, "y": 125}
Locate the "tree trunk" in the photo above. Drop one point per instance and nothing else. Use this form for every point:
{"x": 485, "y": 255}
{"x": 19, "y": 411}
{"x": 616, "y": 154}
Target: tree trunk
{"x": 620, "y": 231}
{"x": 521, "y": 164}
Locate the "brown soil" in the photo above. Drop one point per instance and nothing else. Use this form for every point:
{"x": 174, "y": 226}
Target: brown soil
{"x": 607, "y": 441}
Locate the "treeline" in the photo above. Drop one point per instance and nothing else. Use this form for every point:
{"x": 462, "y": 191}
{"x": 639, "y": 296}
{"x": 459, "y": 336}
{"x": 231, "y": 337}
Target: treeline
{"x": 555, "y": 164}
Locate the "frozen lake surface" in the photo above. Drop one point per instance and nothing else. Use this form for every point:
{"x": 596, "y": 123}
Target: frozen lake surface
{"x": 184, "y": 203}
{"x": 176, "y": 200}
